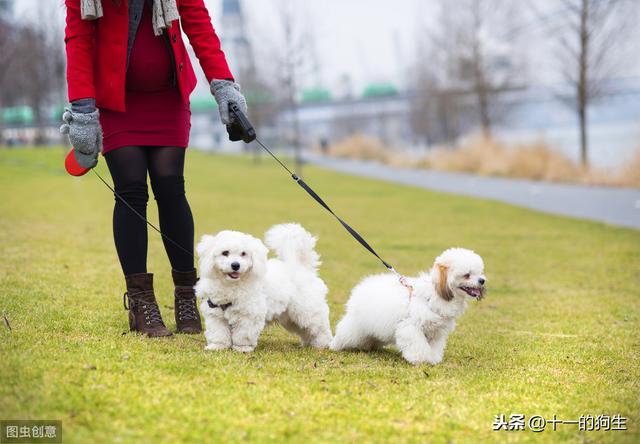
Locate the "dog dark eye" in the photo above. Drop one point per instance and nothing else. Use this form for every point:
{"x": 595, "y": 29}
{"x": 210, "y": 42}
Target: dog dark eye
{"x": 243, "y": 254}
{"x": 225, "y": 253}
{"x": 467, "y": 276}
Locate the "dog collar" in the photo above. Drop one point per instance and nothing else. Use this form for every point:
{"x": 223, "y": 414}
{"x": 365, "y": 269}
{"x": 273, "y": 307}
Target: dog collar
{"x": 221, "y": 306}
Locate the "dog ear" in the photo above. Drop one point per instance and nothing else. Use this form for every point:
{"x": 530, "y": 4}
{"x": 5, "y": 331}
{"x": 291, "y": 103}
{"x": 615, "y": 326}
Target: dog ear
{"x": 442, "y": 288}
{"x": 206, "y": 243}
{"x": 205, "y": 258}
{"x": 259, "y": 255}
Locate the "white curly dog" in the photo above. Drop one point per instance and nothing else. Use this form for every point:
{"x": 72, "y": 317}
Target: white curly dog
{"x": 380, "y": 311}
{"x": 240, "y": 289}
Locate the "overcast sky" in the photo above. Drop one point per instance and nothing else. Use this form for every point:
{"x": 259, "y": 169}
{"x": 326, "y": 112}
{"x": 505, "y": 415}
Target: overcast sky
{"x": 368, "y": 40}
{"x": 354, "y": 37}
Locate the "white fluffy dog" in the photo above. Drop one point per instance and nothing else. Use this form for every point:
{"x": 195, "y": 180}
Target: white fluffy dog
{"x": 380, "y": 311}
{"x": 240, "y": 290}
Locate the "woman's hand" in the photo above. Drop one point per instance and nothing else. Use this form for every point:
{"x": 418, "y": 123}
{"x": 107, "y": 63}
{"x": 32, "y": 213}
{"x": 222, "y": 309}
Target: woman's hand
{"x": 225, "y": 92}
{"x": 82, "y": 125}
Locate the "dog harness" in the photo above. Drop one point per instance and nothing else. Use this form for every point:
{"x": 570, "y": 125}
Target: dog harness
{"x": 223, "y": 307}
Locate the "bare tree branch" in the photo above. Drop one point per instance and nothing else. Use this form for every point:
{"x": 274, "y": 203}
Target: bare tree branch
{"x": 588, "y": 52}
{"x": 470, "y": 58}
{"x": 294, "y": 62}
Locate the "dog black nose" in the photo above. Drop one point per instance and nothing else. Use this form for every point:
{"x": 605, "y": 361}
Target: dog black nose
{"x": 235, "y": 266}
{"x": 481, "y": 281}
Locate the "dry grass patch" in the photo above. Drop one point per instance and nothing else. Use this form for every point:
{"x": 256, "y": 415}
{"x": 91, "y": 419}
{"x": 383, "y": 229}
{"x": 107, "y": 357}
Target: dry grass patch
{"x": 361, "y": 147}
{"x": 491, "y": 157}
{"x": 630, "y": 175}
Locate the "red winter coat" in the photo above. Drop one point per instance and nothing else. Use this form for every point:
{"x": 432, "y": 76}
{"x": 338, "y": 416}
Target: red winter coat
{"x": 97, "y": 51}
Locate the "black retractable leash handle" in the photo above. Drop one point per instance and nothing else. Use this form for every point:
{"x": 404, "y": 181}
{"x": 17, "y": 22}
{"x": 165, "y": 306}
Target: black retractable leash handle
{"x": 240, "y": 128}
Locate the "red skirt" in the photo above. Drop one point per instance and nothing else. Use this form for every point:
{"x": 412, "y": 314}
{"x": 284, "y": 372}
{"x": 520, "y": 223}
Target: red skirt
{"x": 155, "y": 113}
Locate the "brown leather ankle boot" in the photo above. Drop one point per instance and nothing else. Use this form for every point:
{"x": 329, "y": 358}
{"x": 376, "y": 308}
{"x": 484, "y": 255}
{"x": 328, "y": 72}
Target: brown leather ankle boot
{"x": 144, "y": 313}
{"x": 187, "y": 315}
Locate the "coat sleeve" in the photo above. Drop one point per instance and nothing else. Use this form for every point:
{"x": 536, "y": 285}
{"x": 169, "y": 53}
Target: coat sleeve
{"x": 196, "y": 23}
{"x": 79, "y": 40}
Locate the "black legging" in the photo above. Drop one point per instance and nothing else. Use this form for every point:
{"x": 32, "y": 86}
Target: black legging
{"x": 128, "y": 167}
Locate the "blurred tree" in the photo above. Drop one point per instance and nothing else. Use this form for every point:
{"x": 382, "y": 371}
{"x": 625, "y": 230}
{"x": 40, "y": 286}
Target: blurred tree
{"x": 589, "y": 50}
{"x": 8, "y": 35}
{"x": 467, "y": 54}
{"x": 262, "y": 107}
{"x": 240, "y": 53}
{"x": 6, "y": 8}
{"x": 435, "y": 109}
{"x": 260, "y": 98}
{"x": 32, "y": 64}
{"x": 294, "y": 57}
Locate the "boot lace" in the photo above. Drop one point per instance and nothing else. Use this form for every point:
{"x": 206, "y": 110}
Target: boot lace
{"x": 150, "y": 309}
{"x": 187, "y": 309}
{"x": 152, "y": 313}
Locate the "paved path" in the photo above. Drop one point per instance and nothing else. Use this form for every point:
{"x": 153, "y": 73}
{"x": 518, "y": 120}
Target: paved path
{"x": 615, "y": 206}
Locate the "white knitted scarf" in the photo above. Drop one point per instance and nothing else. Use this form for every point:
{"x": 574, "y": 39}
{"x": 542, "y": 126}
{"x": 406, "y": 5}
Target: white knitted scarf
{"x": 164, "y": 12}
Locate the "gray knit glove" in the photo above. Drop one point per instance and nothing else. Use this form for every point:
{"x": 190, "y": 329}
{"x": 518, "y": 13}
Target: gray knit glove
{"x": 226, "y": 91}
{"x": 85, "y": 135}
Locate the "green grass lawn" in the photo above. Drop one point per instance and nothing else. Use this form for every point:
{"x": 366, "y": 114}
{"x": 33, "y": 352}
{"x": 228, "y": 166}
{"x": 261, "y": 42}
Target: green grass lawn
{"x": 558, "y": 333}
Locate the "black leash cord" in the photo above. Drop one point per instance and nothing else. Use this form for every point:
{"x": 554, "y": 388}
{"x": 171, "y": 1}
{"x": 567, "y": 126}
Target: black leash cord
{"x": 295, "y": 177}
{"x": 318, "y": 199}
{"x": 276, "y": 158}
{"x": 121, "y": 199}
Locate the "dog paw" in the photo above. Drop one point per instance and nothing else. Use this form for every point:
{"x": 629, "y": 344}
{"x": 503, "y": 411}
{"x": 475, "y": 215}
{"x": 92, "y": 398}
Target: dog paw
{"x": 216, "y": 347}
{"x": 321, "y": 343}
{"x": 419, "y": 360}
{"x": 414, "y": 360}
{"x": 243, "y": 348}
{"x": 336, "y": 345}
{"x": 417, "y": 357}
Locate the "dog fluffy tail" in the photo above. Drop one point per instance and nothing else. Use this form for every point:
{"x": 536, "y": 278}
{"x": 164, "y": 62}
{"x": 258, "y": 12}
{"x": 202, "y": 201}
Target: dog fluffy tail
{"x": 293, "y": 244}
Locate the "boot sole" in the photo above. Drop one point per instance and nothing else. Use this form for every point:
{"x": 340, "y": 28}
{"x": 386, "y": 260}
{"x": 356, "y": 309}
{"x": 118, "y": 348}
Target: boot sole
{"x": 149, "y": 335}
{"x": 160, "y": 336}
{"x": 183, "y": 332}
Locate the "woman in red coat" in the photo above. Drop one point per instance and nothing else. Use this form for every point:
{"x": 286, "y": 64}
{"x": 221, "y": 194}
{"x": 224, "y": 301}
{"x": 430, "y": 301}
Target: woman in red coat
{"x": 129, "y": 78}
